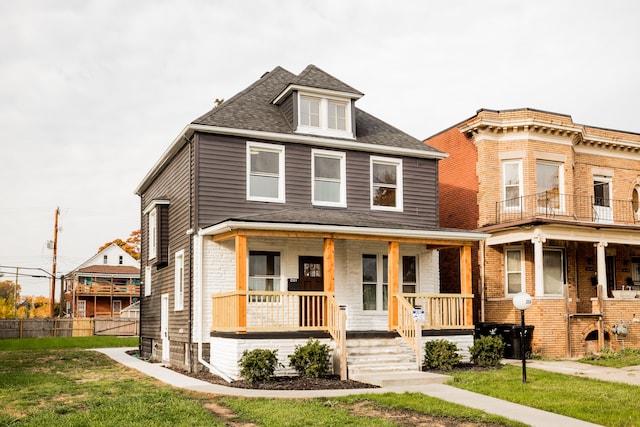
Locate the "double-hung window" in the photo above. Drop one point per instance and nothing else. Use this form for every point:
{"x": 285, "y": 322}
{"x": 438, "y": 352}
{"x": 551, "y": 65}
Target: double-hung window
{"x": 322, "y": 115}
{"x": 328, "y": 175}
{"x": 386, "y": 184}
{"x": 512, "y": 185}
{"x": 310, "y": 111}
{"x": 514, "y": 270}
{"x": 553, "y": 268}
{"x": 264, "y": 271}
{"x": 549, "y": 187}
{"x": 409, "y": 274}
{"x": 179, "y": 281}
{"x": 153, "y": 233}
{"x": 375, "y": 284}
{"x": 265, "y": 172}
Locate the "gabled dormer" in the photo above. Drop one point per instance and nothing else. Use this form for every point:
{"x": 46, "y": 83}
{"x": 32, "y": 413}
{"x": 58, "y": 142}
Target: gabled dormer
{"x": 319, "y": 104}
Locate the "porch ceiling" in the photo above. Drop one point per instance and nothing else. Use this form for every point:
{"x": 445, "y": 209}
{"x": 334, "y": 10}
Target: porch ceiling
{"x": 593, "y": 233}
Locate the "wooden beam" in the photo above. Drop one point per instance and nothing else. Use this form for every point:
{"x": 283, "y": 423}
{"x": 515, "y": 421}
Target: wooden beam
{"x": 241, "y": 281}
{"x": 466, "y": 284}
{"x": 329, "y": 265}
{"x": 394, "y": 279}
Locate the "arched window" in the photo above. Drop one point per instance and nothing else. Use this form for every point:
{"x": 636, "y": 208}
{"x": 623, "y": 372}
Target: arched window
{"x": 635, "y": 201}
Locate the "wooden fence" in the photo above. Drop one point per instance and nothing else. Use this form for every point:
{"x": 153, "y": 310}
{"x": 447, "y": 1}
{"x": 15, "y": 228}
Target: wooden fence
{"x": 78, "y": 327}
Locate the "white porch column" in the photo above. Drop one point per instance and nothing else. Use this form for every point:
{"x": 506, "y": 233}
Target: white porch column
{"x": 538, "y": 263}
{"x": 601, "y": 260}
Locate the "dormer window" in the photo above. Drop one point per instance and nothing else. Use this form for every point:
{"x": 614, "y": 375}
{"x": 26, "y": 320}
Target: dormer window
{"x": 324, "y": 116}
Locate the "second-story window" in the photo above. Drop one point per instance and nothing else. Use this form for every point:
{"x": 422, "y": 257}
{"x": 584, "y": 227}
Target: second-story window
{"x": 328, "y": 176}
{"x": 265, "y": 172}
{"x": 153, "y": 233}
{"x": 386, "y": 184}
{"x": 549, "y": 186}
{"x": 512, "y": 184}
{"x": 105, "y": 259}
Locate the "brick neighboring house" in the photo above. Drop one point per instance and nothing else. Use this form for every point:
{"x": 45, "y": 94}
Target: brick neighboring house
{"x": 284, "y": 203}
{"x": 103, "y": 285}
{"x": 561, "y": 202}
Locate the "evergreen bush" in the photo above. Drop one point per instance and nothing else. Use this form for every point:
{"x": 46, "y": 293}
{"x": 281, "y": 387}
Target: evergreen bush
{"x": 258, "y": 365}
{"x": 311, "y": 359}
{"x": 441, "y": 354}
{"x": 487, "y": 351}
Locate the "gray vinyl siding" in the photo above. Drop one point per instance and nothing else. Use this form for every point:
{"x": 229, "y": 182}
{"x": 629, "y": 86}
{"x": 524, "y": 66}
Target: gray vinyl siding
{"x": 221, "y": 183}
{"x": 171, "y": 184}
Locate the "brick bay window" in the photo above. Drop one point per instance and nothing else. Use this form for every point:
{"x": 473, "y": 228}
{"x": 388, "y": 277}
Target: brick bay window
{"x": 386, "y": 184}
{"x": 265, "y": 172}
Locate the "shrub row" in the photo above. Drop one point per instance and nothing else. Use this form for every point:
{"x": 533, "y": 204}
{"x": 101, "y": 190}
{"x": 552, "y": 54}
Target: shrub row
{"x": 311, "y": 360}
{"x": 441, "y": 354}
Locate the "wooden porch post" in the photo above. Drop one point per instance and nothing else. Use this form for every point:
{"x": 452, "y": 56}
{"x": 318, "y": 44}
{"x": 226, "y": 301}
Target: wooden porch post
{"x": 329, "y": 256}
{"x": 466, "y": 282}
{"x": 241, "y": 282}
{"x": 393, "y": 271}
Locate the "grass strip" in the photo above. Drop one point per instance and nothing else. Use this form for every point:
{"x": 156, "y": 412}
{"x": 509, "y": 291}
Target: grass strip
{"x": 600, "y": 402}
{"x": 66, "y": 342}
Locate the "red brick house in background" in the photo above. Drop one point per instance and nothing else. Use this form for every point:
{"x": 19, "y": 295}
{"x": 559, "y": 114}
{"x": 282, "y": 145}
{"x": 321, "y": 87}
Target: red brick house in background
{"x": 103, "y": 285}
{"x": 562, "y": 204}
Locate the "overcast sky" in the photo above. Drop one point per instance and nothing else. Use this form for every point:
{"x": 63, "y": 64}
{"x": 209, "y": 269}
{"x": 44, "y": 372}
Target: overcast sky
{"x": 93, "y": 92}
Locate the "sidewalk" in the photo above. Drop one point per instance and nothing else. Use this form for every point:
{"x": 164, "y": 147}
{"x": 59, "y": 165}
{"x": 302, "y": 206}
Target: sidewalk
{"x": 524, "y": 414}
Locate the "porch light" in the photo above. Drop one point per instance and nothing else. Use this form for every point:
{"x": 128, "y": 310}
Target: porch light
{"x": 522, "y": 301}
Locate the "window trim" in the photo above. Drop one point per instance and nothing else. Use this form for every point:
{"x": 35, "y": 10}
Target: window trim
{"x": 382, "y": 305}
{"x": 563, "y": 260}
{"x": 324, "y": 128}
{"x": 280, "y": 149}
{"x": 519, "y": 206}
{"x": 523, "y": 284}
{"x": 178, "y": 275}
{"x": 147, "y": 280}
{"x": 153, "y": 233}
{"x": 417, "y": 272}
{"x": 280, "y": 268}
{"x": 561, "y": 202}
{"x": 399, "y": 183}
{"x": 341, "y": 156}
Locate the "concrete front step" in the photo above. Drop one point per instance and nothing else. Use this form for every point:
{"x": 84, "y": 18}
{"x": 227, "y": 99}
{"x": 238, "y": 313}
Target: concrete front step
{"x": 404, "y": 378}
{"x": 395, "y": 368}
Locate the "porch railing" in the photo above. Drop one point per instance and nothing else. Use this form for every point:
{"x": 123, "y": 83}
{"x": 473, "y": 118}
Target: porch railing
{"x": 100, "y": 289}
{"x": 274, "y": 311}
{"x": 434, "y": 311}
{"x": 568, "y": 207}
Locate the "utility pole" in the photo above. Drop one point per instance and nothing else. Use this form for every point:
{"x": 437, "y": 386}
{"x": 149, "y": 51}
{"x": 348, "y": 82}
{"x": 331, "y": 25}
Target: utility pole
{"x": 53, "y": 268}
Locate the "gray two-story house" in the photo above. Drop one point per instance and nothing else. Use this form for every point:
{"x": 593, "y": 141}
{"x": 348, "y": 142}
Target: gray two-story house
{"x": 286, "y": 213}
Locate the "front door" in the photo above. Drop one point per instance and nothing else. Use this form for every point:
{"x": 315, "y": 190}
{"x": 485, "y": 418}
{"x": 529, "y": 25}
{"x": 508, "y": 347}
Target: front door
{"x": 164, "y": 325}
{"x": 310, "y": 279}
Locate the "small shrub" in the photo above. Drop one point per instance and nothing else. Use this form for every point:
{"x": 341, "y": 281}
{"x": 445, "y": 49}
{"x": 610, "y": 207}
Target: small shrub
{"x": 258, "y": 365}
{"x": 311, "y": 359}
{"x": 441, "y": 354}
{"x": 487, "y": 351}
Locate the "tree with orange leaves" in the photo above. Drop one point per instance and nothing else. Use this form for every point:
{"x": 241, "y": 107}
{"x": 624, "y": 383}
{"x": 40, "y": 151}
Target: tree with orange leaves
{"x": 131, "y": 245}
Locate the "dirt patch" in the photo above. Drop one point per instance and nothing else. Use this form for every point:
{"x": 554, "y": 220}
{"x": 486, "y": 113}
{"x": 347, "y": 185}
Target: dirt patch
{"x": 226, "y": 415}
{"x": 407, "y": 417}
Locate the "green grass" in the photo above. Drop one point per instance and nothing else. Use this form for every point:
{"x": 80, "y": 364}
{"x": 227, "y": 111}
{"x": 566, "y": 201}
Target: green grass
{"x": 76, "y": 387}
{"x": 600, "y": 402}
{"x": 611, "y": 359}
{"x": 67, "y": 342}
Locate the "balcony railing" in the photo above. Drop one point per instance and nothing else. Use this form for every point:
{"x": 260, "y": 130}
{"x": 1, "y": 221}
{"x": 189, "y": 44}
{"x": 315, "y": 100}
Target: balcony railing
{"x": 567, "y": 207}
{"x": 107, "y": 289}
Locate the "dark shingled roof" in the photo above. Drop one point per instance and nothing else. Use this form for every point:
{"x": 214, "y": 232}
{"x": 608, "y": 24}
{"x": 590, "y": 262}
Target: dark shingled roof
{"x": 252, "y": 109}
{"x": 334, "y": 217}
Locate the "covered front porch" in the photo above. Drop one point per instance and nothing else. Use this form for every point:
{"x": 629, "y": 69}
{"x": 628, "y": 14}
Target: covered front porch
{"x": 336, "y": 281}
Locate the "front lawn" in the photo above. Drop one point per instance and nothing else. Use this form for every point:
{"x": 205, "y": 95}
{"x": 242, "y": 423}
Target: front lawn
{"x": 67, "y": 342}
{"x": 611, "y": 359}
{"x": 600, "y": 402}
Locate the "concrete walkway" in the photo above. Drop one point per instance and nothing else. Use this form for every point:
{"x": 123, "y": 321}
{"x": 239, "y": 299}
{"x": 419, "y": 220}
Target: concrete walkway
{"x": 524, "y": 414}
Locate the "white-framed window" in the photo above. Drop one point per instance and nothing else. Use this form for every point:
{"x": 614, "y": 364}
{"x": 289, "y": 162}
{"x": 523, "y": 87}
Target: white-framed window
{"x": 386, "y": 184}
{"x": 179, "y": 281}
{"x": 553, "y": 270}
{"x": 328, "y": 169}
{"x": 549, "y": 186}
{"x": 120, "y": 260}
{"x": 153, "y": 233}
{"x": 602, "y": 199}
{"x": 264, "y": 271}
{"x": 321, "y": 115}
{"x": 409, "y": 274}
{"x": 512, "y": 185}
{"x": 514, "y": 270}
{"x": 265, "y": 172}
{"x": 105, "y": 259}
{"x": 375, "y": 282}
{"x": 147, "y": 281}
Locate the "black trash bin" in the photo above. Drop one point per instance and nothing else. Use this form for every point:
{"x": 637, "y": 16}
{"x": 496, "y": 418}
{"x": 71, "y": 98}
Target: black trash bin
{"x": 528, "y": 336}
{"x": 505, "y": 331}
{"x": 485, "y": 329}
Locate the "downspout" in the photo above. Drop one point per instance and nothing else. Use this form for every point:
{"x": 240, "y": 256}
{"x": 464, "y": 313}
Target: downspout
{"x": 482, "y": 278}
{"x": 190, "y": 237}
